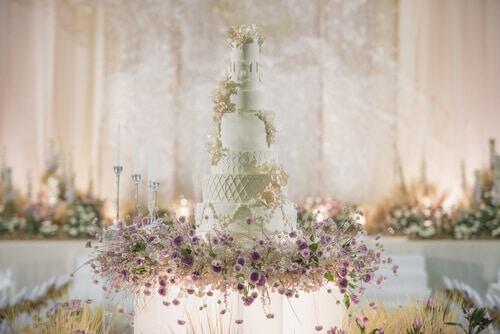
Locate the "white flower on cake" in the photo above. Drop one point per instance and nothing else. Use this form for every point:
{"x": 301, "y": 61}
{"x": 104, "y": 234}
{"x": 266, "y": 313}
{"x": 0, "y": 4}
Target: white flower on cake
{"x": 237, "y": 36}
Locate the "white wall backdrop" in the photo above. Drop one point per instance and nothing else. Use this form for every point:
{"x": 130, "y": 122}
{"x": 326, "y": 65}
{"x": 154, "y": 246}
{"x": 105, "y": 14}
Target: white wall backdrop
{"x": 358, "y": 88}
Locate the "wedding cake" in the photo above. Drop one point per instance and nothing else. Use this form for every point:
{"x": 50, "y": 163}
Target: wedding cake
{"x": 246, "y": 188}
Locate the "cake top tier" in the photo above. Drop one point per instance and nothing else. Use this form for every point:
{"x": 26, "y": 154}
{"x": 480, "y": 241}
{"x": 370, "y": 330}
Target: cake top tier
{"x": 244, "y": 67}
{"x": 247, "y": 33}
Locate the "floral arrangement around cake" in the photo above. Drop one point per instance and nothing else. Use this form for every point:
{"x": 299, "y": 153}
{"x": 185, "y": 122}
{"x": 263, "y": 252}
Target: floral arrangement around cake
{"x": 151, "y": 255}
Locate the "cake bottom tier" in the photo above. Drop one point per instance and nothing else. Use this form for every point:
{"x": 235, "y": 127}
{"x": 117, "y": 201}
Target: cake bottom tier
{"x": 233, "y": 217}
{"x": 291, "y": 315}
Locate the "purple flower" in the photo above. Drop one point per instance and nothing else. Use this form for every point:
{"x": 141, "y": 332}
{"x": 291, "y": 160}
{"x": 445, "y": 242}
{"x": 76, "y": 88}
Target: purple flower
{"x": 301, "y": 244}
{"x": 241, "y": 260}
{"x": 343, "y": 283}
{"x": 163, "y": 283}
{"x": 343, "y": 272}
{"x": 367, "y": 278}
{"x": 240, "y": 286}
{"x": 249, "y": 220}
{"x": 293, "y": 234}
{"x": 191, "y": 233}
{"x": 182, "y": 219}
{"x": 151, "y": 239}
{"x": 237, "y": 268}
{"x": 305, "y": 253}
{"x": 262, "y": 280}
{"x": 217, "y": 269}
{"x": 294, "y": 266}
{"x": 195, "y": 239}
{"x": 254, "y": 277}
{"x": 195, "y": 275}
{"x": 255, "y": 256}
{"x": 187, "y": 260}
{"x": 88, "y": 244}
{"x": 124, "y": 274}
{"x": 248, "y": 301}
{"x": 162, "y": 291}
{"x": 326, "y": 239}
{"x": 178, "y": 241}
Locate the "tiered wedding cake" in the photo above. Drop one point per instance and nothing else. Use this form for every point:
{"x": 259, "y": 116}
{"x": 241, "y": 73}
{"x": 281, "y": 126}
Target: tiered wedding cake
{"x": 246, "y": 189}
{"x": 239, "y": 252}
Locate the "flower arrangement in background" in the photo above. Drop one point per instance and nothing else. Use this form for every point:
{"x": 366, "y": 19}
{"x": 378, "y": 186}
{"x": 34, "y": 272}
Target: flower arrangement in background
{"x": 482, "y": 217}
{"x": 80, "y": 216}
{"x": 151, "y": 255}
{"x": 418, "y": 212}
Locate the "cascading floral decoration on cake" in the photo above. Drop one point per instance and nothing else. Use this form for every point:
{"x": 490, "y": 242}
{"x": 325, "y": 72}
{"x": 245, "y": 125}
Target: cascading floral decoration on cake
{"x": 154, "y": 255}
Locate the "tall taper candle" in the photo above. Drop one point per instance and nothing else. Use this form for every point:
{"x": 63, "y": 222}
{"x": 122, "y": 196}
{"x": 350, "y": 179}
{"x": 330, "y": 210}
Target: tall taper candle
{"x": 118, "y": 144}
{"x": 136, "y": 154}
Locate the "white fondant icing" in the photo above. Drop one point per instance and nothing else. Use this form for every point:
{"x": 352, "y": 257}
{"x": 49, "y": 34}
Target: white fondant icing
{"x": 243, "y": 131}
{"x": 233, "y": 188}
{"x": 242, "y": 162}
{"x": 231, "y": 216}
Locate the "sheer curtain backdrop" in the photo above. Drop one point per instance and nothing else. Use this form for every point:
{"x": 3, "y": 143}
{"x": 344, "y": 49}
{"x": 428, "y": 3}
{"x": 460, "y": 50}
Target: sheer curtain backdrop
{"x": 358, "y": 88}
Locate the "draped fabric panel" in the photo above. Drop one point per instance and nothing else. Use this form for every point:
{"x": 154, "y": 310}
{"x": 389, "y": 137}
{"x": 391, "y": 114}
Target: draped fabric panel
{"x": 359, "y": 88}
{"x": 449, "y": 101}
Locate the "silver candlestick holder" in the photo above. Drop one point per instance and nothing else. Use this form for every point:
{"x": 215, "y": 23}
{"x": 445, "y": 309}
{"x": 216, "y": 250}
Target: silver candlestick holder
{"x": 153, "y": 189}
{"x": 136, "y": 178}
{"x": 118, "y": 170}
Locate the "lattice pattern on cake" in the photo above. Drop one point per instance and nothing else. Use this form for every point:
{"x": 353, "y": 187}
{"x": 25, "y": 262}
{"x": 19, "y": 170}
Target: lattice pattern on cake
{"x": 228, "y": 188}
{"x": 242, "y": 162}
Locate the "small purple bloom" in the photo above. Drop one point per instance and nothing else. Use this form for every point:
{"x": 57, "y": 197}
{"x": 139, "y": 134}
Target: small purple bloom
{"x": 254, "y": 277}
{"x": 249, "y": 220}
{"x": 178, "y": 241}
{"x": 182, "y": 219}
{"x": 88, "y": 244}
{"x": 255, "y": 256}
{"x": 301, "y": 244}
{"x": 195, "y": 275}
{"x": 367, "y": 278}
{"x": 262, "y": 280}
{"x": 187, "y": 260}
{"x": 237, "y": 268}
{"x": 240, "y": 286}
{"x": 293, "y": 234}
{"x": 162, "y": 291}
{"x": 217, "y": 269}
{"x": 305, "y": 253}
{"x": 124, "y": 274}
{"x": 195, "y": 239}
{"x": 343, "y": 271}
{"x": 343, "y": 283}
{"x": 241, "y": 260}
{"x": 248, "y": 301}
{"x": 151, "y": 239}
{"x": 163, "y": 283}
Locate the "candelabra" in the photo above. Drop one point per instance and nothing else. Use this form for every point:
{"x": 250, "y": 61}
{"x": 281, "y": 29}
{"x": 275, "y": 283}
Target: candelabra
{"x": 118, "y": 170}
{"x": 153, "y": 191}
{"x": 136, "y": 178}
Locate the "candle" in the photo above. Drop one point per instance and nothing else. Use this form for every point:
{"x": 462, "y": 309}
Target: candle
{"x": 118, "y": 144}
{"x": 136, "y": 154}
